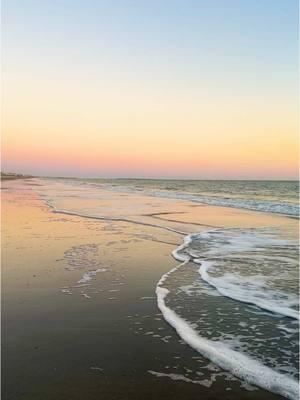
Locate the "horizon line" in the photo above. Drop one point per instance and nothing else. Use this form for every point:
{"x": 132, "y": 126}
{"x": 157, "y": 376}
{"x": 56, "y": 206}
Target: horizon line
{"x": 169, "y": 179}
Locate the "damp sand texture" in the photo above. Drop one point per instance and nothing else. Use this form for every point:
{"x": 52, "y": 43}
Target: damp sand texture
{"x": 91, "y": 310}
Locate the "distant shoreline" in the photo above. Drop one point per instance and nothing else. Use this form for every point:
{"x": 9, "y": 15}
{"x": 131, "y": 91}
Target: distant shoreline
{"x": 10, "y": 176}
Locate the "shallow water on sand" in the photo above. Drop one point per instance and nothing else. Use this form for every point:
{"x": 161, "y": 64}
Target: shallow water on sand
{"x": 270, "y": 196}
{"x": 237, "y": 288}
{"x": 235, "y": 300}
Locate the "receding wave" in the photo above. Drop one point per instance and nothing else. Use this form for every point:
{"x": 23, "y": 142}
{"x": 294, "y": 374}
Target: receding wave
{"x": 238, "y": 364}
{"x": 250, "y": 267}
{"x": 233, "y": 298}
{"x": 249, "y": 290}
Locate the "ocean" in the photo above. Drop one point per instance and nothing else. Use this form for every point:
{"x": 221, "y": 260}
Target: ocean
{"x": 233, "y": 297}
{"x": 269, "y": 196}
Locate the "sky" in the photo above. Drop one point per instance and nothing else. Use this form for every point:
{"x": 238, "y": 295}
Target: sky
{"x": 161, "y": 89}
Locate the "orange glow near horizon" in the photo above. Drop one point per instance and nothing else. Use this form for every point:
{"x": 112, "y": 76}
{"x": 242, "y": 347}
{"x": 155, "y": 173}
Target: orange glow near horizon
{"x": 128, "y": 137}
{"x": 77, "y": 111}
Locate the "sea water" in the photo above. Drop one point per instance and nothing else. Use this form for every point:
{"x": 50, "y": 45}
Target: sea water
{"x": 234, "y": 299}
{"x": 270, "y": 196}
{"x": 234, "y": 295}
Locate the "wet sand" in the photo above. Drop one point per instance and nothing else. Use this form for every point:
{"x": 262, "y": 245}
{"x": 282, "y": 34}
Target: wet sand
{"x": 61, "y": 341}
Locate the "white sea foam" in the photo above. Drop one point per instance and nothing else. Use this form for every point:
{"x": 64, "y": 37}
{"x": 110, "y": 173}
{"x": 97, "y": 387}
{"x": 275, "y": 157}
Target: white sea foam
{"x": 246, "y": 290}
{"x": 85, "y": 295}
{"x": 223, "y": 244}
{"x": 179, "y": 377}
{"x": 97, "y": 369}
{"x": 87, "y": 276}
{"x": 240, "y": 365}
{"x": 204, "y": 382}
{"x": 66, "y": 291}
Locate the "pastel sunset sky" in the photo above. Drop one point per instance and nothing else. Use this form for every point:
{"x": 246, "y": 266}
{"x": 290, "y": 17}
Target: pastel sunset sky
{"x": 160, "y": 88}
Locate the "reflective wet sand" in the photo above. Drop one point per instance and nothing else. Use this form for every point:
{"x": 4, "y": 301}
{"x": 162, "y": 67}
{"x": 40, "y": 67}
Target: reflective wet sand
{"x": 62, "y": 340}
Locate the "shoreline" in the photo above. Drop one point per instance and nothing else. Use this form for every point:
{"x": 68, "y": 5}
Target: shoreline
{"x": 240, "y": 365}
{"x": 128, "y": 254}
{"x": 7, "y": 177}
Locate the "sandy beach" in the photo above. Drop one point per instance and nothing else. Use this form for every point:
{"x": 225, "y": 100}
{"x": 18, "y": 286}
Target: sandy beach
{"x": 69, "y": 333}
{"x": 150, "y": 200}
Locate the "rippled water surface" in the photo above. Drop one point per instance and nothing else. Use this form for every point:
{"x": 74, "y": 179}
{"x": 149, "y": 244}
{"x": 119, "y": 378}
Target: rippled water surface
{"x": 271, "y": 196}
{"x": 234, "y": 295}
